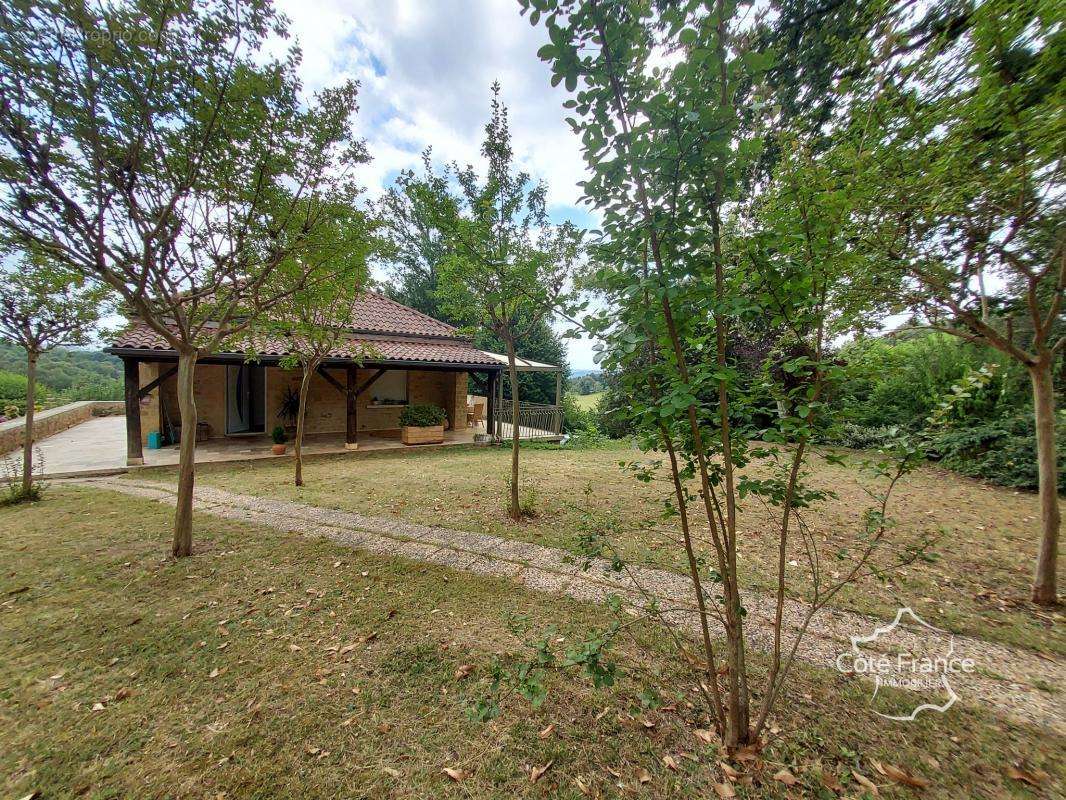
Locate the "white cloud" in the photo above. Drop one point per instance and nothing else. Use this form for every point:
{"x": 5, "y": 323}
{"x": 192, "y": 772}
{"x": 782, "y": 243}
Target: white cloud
{"x": 426, "y": 67}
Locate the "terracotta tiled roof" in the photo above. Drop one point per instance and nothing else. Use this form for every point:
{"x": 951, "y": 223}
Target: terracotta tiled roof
{"x": 379, "y": 314}
{"x": 442, "y": 351}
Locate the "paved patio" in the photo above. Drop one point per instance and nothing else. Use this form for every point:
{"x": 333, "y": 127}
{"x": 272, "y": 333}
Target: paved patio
{"x": 98, "y": 447}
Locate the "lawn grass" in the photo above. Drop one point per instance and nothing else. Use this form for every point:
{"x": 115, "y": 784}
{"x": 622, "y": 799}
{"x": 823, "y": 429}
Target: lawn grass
{"x": 220, "y": 676}
{"x": 587, "y": 402}
{"x": 978, "y": 584}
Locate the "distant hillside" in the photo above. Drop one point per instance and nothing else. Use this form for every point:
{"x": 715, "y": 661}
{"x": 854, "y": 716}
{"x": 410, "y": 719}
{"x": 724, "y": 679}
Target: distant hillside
{"x": 77, "y": 374}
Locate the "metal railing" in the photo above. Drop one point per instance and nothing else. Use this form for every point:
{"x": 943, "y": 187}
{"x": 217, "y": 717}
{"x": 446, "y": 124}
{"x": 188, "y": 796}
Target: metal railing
{"x": 535, "y": 421}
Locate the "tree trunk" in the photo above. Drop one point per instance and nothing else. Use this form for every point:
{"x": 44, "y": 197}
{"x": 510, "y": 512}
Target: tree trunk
{"x": 31, "y": 398}
{"x": 512, "y": 375}
{"x": 301, "y": 412}
{"x": 187, "y": 454}
{"x": 1045, "y": 591}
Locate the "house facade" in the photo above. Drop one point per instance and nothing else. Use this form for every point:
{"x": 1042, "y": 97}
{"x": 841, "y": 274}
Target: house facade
{"x": 392, "y": 357}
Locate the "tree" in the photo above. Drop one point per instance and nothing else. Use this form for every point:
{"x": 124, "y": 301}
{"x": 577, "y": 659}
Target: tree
{"x": 538, "y": 342}
{"x": 508, "y": 267}
{"x": 417, "y": 247}
{"x": 969, "y": 203}
{"x": 416, "y": 251}
{"x": 158, "y": 150}
{"x": 684, "y": 273}
{"x": 317, "y": 311}
{"x": 43, "y": 306}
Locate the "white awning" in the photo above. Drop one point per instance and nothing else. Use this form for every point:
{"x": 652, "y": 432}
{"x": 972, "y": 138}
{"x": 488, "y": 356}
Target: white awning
{"x": 524, "y": 364}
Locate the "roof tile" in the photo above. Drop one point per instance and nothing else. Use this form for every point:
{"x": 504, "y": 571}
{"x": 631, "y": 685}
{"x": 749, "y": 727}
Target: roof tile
{"x": 455, "y": 351}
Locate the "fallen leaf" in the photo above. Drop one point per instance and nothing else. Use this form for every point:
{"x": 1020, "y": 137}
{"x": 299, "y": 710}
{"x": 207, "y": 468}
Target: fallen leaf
{"x": 544, "y": 734}
{"x": 728, "y": 771}
{"x": 295, "y": 648}
{"x": 214, "y": 673}
{"x": 536, "y": 772}
{"x": 724, "y": 790}
{"x": 747, "y": 753}
{"x": 463, "y": 671}
{"x": 902, "y": 776}
{"x": 669, "y": 762}
{"x": 705, "y": 736}
{"x": 786, "y": 777}
{"x": 866, "y": 783}
{"x": 455, "y": 774}
{"x": 391, "y": 771}
{"x": 582, "y": 787}
{"x": 830, "y": 782}
{"x": 311, "y": 750}
{"x": 122, "y": 693}
{"x": 1032, "y": 777}
{"x": 98, "y": 706}
{"x": 647, "y": 723}
{"x": 602, "y": 714}
{"x": 644, "y": 776}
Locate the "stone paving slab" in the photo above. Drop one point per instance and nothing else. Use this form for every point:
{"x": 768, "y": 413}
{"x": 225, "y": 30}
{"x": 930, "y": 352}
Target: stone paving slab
{"x": 553, "y": 570}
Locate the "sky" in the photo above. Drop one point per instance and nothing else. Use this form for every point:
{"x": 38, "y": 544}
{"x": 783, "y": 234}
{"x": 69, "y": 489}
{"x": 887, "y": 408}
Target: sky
{"x": 425, "y": 69}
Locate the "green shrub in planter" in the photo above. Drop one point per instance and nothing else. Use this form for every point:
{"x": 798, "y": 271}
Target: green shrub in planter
{"x": 278, "y": 435}
{"x": 424, "y": 416}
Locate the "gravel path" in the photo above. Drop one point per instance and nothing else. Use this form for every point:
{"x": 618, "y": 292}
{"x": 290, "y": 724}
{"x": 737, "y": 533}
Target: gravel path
{"x": 1003, "y": 680}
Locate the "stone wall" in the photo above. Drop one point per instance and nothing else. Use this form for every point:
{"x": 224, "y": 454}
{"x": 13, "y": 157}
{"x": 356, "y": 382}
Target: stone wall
{"x": 325, "y": 404}
{"x": 54, "y": 420}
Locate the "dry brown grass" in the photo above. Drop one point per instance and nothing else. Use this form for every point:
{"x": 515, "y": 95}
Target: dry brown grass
{"x": 234, "y": 692}
{"x": 978, "y": 585}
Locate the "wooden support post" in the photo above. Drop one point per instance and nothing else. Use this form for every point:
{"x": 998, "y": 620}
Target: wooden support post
{"x": 131, "y": 371}
{"x": 490, "y": 400}
{"x": 351, "y": 427}
{"x": 499, "y": 404}
{"x": 146, "y": 390}
{"x": 558, "y": 402}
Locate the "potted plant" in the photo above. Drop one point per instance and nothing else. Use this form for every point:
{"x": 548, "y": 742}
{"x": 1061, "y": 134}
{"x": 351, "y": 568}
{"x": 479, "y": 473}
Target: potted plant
{"x": 289, "y": 407}
{"x": 422, "y": 424}
{"x": 278, "y": 435}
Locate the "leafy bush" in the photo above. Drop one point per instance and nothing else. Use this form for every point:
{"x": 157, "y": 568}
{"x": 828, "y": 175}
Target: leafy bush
{"x": 576, "y": 418}
{"x": 901, "y": 381}
{"x": 92, "y": 388}
{"x": 422, "y": 416}
{"x": 864, "y": 437}
{"x": 1001, "y": 451}
{"x": 278, "y": 435}
{"x": 12, "y": 387}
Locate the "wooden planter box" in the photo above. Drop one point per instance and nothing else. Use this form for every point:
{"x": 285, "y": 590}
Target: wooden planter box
{"x": 431, "y": 435}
